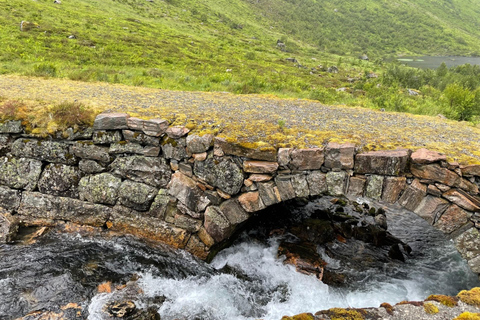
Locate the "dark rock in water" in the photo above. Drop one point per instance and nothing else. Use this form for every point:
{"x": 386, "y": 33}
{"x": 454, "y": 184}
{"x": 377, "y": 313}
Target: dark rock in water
{"x": 121, "y": 309}
{"x": 304, "y": 257}
{"x": 314, "y": 230}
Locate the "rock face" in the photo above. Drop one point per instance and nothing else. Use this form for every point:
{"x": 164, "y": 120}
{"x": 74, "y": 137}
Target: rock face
{"x": 222, "y": 173}
{"x": 20, "y": 173}
{"x": 50, "y": 151}
{"x": 100, "y": 188}
{"x": 135, "y": 195}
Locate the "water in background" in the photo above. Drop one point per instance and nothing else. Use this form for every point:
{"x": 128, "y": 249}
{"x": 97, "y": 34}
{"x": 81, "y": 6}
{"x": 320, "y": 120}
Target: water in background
{"x": 432, "y": 62}
{"x": 245, "y": 281}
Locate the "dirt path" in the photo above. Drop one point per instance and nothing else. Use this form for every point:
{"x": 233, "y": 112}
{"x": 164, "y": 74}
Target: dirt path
{"x": 265, "y": 120}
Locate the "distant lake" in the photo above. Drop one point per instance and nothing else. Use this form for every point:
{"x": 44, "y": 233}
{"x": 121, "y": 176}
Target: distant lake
{"x": 429, "y": 62}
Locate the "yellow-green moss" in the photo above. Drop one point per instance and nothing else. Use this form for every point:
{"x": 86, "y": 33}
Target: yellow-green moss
{"x": 445, "y": 300}
{"x": 388, "y": 307}
{"x": 430, "y": 308}
{"x": 468, "y": 316}
{"x": 471, "y": 297}
{"x": 302, "y": 316}
{"x": 344, "y": 314}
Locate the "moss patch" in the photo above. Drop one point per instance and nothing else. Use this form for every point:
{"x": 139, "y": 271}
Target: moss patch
{"x": 430, "y": 308}
{"x": 443, "y": 299}
{"x": 471, "y": 297}
{"x": 302, "y": 316}
{"x": 468, "y": 316}
{"x": 345, "y": 314}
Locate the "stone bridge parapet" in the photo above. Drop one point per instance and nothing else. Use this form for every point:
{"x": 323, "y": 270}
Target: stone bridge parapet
{"x": 147, "y": 178}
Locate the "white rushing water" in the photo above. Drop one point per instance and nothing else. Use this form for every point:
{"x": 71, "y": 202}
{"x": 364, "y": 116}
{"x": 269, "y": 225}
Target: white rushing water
{"x": 261, "y": 286}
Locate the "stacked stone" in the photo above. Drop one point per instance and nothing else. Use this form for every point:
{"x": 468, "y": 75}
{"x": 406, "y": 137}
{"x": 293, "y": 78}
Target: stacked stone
{"x": 157, "y": 181}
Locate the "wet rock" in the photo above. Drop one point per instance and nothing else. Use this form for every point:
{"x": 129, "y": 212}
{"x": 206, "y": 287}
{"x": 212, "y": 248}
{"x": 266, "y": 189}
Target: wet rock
{"x": 177, "y": 132}
{"x": 285, "y": 187}
{"x": 121, "y": 309}
{"x": 152, "y": 171}
{"x": 12, "y": 126}
{"x": 136, "y": 195}
{"x": 107, "y": 137}
{"x": 90, "y": 166}
{"x": 413, "y": 195}
{"x": 197, "y": 144}
{"x": 9, "y": 199}
{"x": 304, "y": 257}
{"x": 317, "y": 183}
{"x": 393, "y": 187}
{"x": 374, "y": 187}
{"x": 431, "y": 208}
{"x": 436, "y": 173}
{"x": 356, "y": 186}
{"x": 317, "y": 231}
{"x": 188, "y": 193}
{"x": 87, "y": 150}
{"x": 174, "y": 149}
{"x": 125, "y": 220}
{"x": 463, "y": 200}
{"x": 269, "y": 193}
{"x": 390, "y": 163}
{"x": 336, "y": 183}
{"x": 60, "y": 180}
{"x": 216, "y": 224}
{"x": 339, "y": 156}
{"x": 251, "y": 202}
{"x": 111, "y": 121}
{"x": 141, "y": 138}
{"x": 237, "y": 150}
{"x": 222, "y": 173}
{"x": 252, "y": 166}
{"x": 307, "y": 159}
{"x": 50, "y": 151}
{"x": 452, "y": 219}
{"x": 100, "y": 188}
{"x": 8, "y": 226}
{"x": 20, "y": 173}
{"x": 51, "y": 208}
{"x": 424, "y": 156}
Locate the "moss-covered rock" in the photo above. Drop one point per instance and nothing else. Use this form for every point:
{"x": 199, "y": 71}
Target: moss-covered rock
{"x": 100, "y": 188}
{"x": 51, "y": 151}
{"x": 149, "y": 170}
{"x": 20, "y": 173}
{"x": 136, "y": 195}
{"x": 60, "y": 180}
{"x": 222, "y": 173}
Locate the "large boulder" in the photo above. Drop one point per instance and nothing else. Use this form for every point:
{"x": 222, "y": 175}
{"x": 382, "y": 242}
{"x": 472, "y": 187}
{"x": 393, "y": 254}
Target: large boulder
{"x": 222, "y": 173}
{"x": 149, "y": 170}
{"x": 100, "y": 188}
{"x": 20, "y": 173}
{"x": 60, "y": 180}
{"x": 390, "y": 163}
{"x": 136, "y": 195}
{"x": 51, "y": 151}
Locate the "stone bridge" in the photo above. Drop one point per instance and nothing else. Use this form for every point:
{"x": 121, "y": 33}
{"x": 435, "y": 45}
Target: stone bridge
{"x": 156, "y": 181}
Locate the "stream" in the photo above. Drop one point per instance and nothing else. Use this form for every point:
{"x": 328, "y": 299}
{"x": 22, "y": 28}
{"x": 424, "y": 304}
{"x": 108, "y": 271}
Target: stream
{"x": 245, "y": 281}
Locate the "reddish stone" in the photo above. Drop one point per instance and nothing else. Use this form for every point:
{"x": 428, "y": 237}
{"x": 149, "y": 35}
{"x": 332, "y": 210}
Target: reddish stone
{"x": 155, "y": 127}
{"x": 435, "y": 172}
{"x": 339, "y": 156}
{"x": 307, "y": 159}
{"x": 135, "y": 123}
{"x": 260, "y": 177}
{"x": 284, "y": 156}
{"x": 304, "y": 257}
{"x": 453, "y": 219}
{"x": 424, "y": 156}
{"x": 462, "y": 199}
{"x": 471, "y": 170}
{"x": 466, "y": 185}
{"x": 253, "y": 166}
{"x": 390, "y": 163}
{"x": 177, "y": 132}
{"x": 393, "y": 187}
{"x": 431, "y": 208}
{"x": 434, "y": 191}
{"x": 413, "y": 195}
{"x": 111, "y": 121}
{"x": 251, "y": 201}
{"x": 199, "y": 156}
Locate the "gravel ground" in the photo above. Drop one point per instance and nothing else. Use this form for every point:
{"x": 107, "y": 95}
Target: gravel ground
{"x": 266, "y": 120}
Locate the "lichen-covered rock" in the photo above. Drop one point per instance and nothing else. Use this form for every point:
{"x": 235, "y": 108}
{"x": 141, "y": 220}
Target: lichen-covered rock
{"x": 339, "y": 156}
{"x": 284, "y": 157}
{"x": 197, "y": 247}
{"x": 87, "y": 150}
{"x": 60, "y": 180}
{"x": 50, "y": 208}
{"x": 123, "y": 147}
{"x": 174, "y": 149}
{"x": 107, "y": 137}
{"x": 187, "y": 223}
{"x": 129, "y": 221}
{"x": 82, "y": 134}
{"x": 111, "y": 121}
{"x": 100, "y": 188}
{"x": 307, "y": 159}
{"x": 374, "y": 187}
{"x": 90, "y": 166}
{"x": 9, "y": 199}
{"x": 20, "y": 173}
{"x": 141, "y": 138}
{"x": 413, "y": 195}
{"x": 216, "y": 224}
{"x": 149, "y": 170}
{"x": 390, "y": 163}
{"x": 188, "y": 193}
{"x": 12, "y": 126}
{"x": 436, "y": 173}
{"x": 392, "y": 188}
{"x": 197, "y": 144}
{"x": 336, "y": 183}
{"x": 452, "y": 219}
{"x": 468, "y": 244}
{"x": 51, "y": 151}
{"x": 222, "y": 173}
{"x": 300, "y": 185}
{"x": 431, "y": 208}
{"x": 5, "y": 144}
{"x": 8, "y": 226}
{"x": 136, "y": 195}
{"x": 160, "y": 204}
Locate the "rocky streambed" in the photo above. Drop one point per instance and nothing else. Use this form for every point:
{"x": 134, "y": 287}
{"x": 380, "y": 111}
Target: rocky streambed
{"x": 329, "y": 254}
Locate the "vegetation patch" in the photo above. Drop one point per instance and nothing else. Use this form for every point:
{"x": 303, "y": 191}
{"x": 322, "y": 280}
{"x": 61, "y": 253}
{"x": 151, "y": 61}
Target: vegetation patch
{"x": 430, "y": 308}
{"x": 471, "y": 297}
{"x": 468, "y": 316}
{"x": 443, "y": 299}
{"x": 345, "y": 314}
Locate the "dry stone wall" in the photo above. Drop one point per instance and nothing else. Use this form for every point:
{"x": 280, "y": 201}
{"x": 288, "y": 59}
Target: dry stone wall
{"x": 147, "y": 178}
